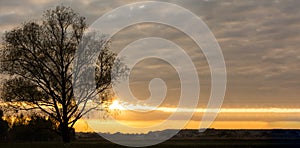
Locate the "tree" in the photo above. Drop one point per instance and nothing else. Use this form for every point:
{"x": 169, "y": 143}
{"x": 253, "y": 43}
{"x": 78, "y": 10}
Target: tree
{"x": 38, "y": 59}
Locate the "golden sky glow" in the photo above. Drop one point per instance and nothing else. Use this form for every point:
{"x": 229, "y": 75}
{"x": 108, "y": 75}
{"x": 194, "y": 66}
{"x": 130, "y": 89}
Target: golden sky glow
{"x": 238, "y": 122}
{"x": 228, "y": 118}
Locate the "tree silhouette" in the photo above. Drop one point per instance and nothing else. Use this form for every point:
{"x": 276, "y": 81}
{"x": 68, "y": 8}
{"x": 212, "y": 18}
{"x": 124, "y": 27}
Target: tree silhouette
{"x": 3, "y": 127}
{"x": 38, "y": 58}
{"x": 32, "y": 128}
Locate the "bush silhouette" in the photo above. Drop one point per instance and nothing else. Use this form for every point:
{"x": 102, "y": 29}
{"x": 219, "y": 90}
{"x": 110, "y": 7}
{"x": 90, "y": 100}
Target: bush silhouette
{"x": 34, "y": 128}
{"x": 3, "y": 127}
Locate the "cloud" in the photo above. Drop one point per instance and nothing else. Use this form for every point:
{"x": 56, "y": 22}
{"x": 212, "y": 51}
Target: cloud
{"x": 259, "y": 40}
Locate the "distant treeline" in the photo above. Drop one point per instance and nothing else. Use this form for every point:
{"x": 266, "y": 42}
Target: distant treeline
{"x": 241, "y": 134}
{"x": 221, "y": 134}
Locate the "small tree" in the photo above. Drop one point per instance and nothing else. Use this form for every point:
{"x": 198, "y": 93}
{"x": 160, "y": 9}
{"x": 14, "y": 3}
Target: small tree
{"x": 38, "y": 57}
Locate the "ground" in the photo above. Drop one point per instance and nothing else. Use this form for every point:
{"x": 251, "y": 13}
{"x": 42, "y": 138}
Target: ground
{"x": 246, "y": 143}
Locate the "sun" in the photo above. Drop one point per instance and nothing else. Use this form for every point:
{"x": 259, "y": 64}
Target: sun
{"x": 115, "y": 105}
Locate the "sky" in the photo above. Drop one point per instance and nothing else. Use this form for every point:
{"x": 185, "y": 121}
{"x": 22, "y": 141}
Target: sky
{"x": 260, "y": 44}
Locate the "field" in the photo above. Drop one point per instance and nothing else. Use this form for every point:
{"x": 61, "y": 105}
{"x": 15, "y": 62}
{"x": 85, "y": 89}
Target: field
{"x": 211, "y": 143}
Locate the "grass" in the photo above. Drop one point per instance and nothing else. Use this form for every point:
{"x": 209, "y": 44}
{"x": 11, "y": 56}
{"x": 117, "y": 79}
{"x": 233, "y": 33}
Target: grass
{"x": 174, "y": 143}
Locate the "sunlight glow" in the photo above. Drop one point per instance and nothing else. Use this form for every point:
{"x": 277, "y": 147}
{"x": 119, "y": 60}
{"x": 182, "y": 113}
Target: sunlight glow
{"x": 125, "y": 106}
{"x": 116, "y": 105}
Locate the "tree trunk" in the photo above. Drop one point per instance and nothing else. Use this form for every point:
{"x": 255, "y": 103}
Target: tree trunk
{"x": 65, "y": 133}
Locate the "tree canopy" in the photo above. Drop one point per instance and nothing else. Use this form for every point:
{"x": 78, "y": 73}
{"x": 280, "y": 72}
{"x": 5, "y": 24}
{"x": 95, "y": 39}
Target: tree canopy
{"x": 38, "y": 57}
